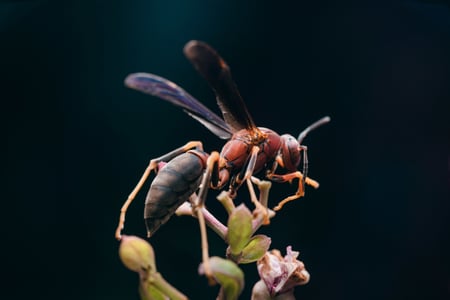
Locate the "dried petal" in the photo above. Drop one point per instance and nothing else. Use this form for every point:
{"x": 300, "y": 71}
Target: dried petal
{"x": 260, "y": 291}
{"x": 282, "y": 274}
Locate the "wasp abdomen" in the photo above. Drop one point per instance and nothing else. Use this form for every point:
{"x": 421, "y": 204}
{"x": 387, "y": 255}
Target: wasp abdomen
{"x": 173, "y": 185}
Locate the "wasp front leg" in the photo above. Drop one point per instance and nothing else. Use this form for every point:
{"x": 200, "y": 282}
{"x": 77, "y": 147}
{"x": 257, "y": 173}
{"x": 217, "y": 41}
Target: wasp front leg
{"x": 153, "y": 165}
{"x": 245, "y": 173}
{"x": 300, "y": 191}
{"x": 289, "y": 177}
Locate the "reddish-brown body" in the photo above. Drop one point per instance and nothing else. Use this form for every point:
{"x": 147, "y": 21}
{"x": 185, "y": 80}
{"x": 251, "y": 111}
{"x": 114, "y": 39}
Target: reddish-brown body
{"x": 236, "y": 151}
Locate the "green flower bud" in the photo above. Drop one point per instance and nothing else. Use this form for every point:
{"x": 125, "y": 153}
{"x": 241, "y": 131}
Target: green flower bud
{"x": 239, "y": 229}
{"x": 137, "y": 255}
{"x": 228, "y": 275}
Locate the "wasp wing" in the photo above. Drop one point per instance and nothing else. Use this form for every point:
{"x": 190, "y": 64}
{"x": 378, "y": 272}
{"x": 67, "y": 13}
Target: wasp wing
{"x": 167, "y": 90}
{"x": 216, "y": 71}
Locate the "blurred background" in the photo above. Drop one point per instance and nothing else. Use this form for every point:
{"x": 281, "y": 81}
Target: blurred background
{"x": 76, "y": 140}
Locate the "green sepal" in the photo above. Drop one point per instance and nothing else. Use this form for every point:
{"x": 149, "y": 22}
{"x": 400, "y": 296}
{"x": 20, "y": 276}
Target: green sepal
{"x": 255, "y": 249}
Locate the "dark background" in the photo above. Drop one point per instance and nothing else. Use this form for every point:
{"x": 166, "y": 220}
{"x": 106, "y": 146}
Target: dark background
{"x": 76, "y": 140}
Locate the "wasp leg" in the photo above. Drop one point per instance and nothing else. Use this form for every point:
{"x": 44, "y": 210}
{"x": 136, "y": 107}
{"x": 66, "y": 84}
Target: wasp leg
{"x": 300, "y": 191}
{"x": 153, "y": 165}
{"x": 305, "y": 165}
{"x": 261, "y": 203}
{"x": 246, "y": 172}
{"x": 211, "y": 167}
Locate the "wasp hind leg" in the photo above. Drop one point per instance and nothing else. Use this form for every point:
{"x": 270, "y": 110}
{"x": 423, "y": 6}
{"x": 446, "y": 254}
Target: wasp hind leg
{"x": 153, "y": 165}
{"x": 198, "y": 205}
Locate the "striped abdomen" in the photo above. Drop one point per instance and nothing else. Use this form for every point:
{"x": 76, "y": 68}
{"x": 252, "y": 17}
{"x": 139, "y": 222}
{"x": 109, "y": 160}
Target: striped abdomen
{"x": 173, "y": 185}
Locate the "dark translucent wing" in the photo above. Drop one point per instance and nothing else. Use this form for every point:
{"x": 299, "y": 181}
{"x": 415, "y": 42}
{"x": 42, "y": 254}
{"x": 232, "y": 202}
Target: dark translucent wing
{"x": 162, "y": 88}
{"x": 215, "y": 70}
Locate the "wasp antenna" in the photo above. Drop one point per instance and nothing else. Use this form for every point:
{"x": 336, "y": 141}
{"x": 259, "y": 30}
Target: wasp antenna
{"x": 311, "y": 127}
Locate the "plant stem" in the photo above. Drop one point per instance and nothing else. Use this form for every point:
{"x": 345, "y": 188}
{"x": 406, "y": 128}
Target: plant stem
{"x": 226, "y": 201}
{"x": 214, "y": 223}
{"x": 166, "y": 288}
